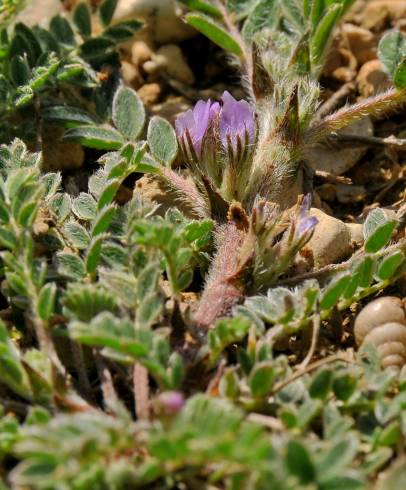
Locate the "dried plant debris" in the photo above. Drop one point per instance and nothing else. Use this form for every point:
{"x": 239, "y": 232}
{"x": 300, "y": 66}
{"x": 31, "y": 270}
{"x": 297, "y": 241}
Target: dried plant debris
{"x": 201, "y": 283}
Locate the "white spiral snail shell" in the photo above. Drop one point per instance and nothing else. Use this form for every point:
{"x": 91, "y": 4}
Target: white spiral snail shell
{"x": 382, "y": 323}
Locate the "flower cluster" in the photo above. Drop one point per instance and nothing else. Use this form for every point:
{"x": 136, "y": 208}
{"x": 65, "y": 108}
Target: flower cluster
{"x": 232, "y": 122}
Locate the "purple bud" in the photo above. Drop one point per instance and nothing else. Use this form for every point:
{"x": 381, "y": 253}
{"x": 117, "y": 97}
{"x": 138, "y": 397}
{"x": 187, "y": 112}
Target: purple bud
{"x": 237, "y": 123}
{"x": 194, "y": 123}
{"x": 305, "y": 223}
{"x": 171, "y": 401}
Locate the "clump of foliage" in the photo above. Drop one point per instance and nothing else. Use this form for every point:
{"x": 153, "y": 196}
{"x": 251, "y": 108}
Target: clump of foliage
{"x": 107, "y": 380}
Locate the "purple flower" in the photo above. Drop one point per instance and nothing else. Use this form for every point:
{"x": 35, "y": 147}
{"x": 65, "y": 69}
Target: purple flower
{"x": 305, "y": 223}
{"x": 237, "y": 123}
{"x": 192, "y": 125}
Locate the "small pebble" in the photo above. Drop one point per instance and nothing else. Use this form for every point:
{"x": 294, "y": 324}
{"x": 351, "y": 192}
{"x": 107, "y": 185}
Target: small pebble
{"x": 130, "y": 73}
{"x": 140, "y": 53}
{"x": 372, "y": 79}
{"x": 361, "y": 41}
{"x": 330, "y": 243}
{"x": 162, "y": 19}
{"x": 149, "y": 93}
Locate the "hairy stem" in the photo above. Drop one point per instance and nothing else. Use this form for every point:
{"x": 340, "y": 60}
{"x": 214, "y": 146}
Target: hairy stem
{"x": 373, "y": 106}
{"x": 141, "y": 391}
{"x": 222, "y": 290}
{"x": 186, "y": 191}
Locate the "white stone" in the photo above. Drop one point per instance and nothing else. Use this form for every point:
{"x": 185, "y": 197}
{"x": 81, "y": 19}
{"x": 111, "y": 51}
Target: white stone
{"x": 331, "y": 240}
{"x": 161, "y": 18}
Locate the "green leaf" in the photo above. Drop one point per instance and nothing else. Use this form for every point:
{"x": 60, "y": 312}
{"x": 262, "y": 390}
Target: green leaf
{"x": 52, "y": 182}
{"x": 42, "y": 75}
{"x": 261, "y": 379}
{"x": 344, "y": 482}
{"x": 317, "y": 8}
{"x": 46, "y": 301}
{"x": 378, "y": 229}
{"x": 321, "y": 384}
{"x": 82, "y": 19}
{"x": 106, "y": 11}
{"x": 103, "y": 220}
{"x": 62, "y": 30}
{"x": 204, "y": 7}
{"x": 293, "y": 13}
{"x": 77, "y": 235}
{"x": 229, "y": 386}
{"x": 390, "y": 264}
{"x": 198, "y": 233}
{"x": 265, "y": 15}
{"x": 333, "y": 292}
{"x": 12, "y": 373}
{"x": 69, "y": 72}
{"x": 226, "y": 332}
{"x": 70, "y": 265}
{"x": 95, "y": 49}
{"x": 128, "y": 113}
{"x": 99, "y": 138}
{"x": 109, "y": 193}
{"x": 162, "y": 140}
{"x": 149, "y": 310}
{"x": 319, "y": 40}
{"x": 176, "y": 371}
{"x": 68, "y": 115}
{"x": 60, "y": 205}
{"x": 17, "y": 283}
{"x": 184, "y": 280}
{"x": 19, "y": 70}
{"x": 390, "y": 435}
{"x": 107, "y": 331}
{"x": 362, "y": 276}
{"x": 85, "y": 207}
{"x": 344, "y": 385}
{"x": 391, "y": 51}
{"x": 93, "y": 254}
{"x": 147, "y": 281}
{"x": 214, "y": 32}
{"x": 122, "y": 31}
{"x": 23, "y": 96}
{"x": 32, "y": 47}
{"x": 85, "y": 301}
{"x": 7, "y": 239}
{"x": 299, "y": 462}
{"x": 365, "y": 271}
{"x": 399, "y": 77}
{"x": 337, "y": 458}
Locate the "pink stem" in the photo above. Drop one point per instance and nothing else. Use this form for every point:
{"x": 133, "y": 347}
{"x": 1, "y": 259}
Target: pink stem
{"x": 222, "y": 290}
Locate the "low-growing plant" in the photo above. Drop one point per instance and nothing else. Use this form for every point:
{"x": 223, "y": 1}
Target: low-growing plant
{"x": 109, "y": 378}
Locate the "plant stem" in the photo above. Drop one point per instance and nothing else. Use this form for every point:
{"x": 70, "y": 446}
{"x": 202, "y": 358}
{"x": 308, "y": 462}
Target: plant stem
{"x": 223, "y": 290}
{"x": 141, "y": 391}
{"x": 308, "y": 369}
{"x": 313, "y": 344}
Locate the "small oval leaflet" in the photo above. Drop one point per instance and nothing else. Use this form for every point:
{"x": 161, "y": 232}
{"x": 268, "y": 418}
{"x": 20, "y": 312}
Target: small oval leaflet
{"x": 162, "y": 140}
{"x": 128, "y": 113}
